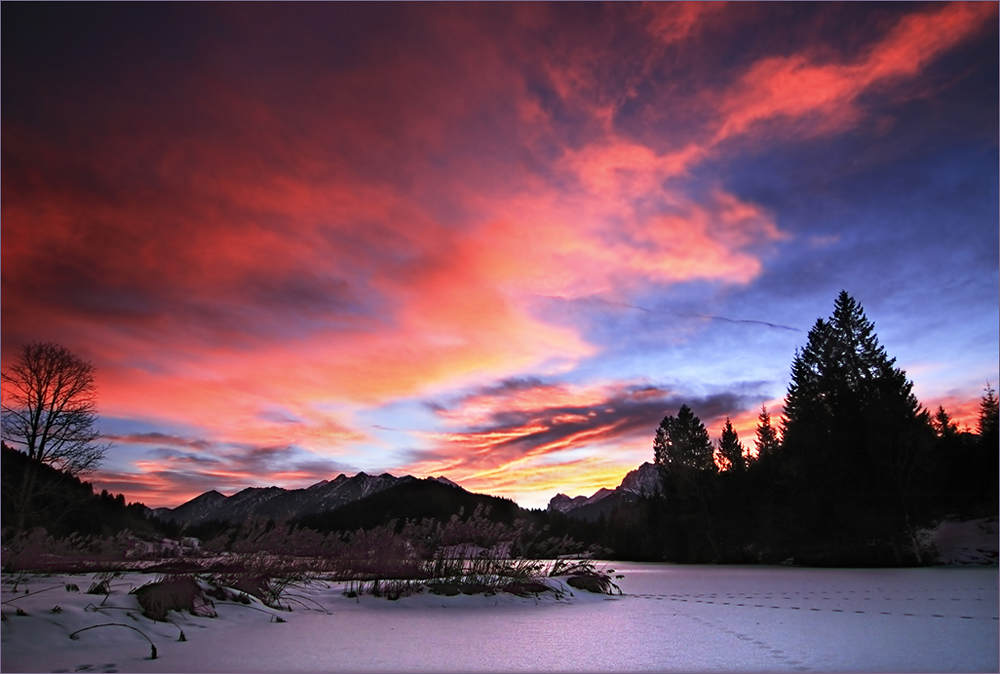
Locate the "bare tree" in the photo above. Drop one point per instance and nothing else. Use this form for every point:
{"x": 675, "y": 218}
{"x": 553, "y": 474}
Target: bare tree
{"x": 49, "y": 410}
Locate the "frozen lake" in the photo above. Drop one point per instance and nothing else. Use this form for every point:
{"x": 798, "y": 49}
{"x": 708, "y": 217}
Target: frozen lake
{"x": 672, "y": 618}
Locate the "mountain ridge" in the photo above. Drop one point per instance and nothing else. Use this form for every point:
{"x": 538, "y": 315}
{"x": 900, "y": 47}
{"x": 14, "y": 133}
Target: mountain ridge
{"x": 327, "y": 495}
{"x": 279, "y": 503}
{"x": 643, "y": 481}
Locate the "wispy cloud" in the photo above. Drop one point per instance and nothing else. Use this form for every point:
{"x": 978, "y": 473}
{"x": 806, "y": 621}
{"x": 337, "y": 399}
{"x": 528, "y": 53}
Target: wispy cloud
{"x": 171, "y": 469}
{"x": 519, "y": 426}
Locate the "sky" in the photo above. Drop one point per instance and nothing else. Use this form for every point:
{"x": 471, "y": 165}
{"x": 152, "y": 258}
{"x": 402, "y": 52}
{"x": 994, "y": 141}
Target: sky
{"x": 495, "y": 242}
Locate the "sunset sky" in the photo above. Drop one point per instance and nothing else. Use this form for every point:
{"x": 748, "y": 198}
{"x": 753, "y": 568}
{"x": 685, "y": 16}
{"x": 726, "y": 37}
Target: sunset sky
{"x": 493, "y": 242}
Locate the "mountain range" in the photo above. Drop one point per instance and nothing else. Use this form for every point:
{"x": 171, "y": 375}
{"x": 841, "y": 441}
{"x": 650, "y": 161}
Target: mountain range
{"x": 329, "y": 495}
{"x": 278, "y": 503}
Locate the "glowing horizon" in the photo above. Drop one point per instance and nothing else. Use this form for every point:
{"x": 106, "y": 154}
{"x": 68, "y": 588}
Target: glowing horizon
{"x": 497, "y": 243}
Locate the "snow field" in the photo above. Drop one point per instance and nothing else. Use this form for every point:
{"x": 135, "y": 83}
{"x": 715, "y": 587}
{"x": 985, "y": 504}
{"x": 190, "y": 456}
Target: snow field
{"x": 671, "y": 618}
{"x": 929, "y": 619}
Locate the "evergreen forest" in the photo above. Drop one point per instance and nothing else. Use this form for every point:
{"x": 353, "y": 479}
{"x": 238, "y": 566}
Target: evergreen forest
{"x": 851, "y": 474}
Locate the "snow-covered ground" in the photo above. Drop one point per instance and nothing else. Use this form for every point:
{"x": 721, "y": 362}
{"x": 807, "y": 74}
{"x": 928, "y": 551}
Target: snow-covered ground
{"x": 671, "y": 618}
{"x": 965, "y": 542}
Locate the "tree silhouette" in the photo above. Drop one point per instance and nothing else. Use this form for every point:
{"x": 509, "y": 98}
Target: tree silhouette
{"x": 49, "y": 411}
{"x": 683, "y": 441}
{"x": 50, "y": 407}
{"x": 987, "y": 424}
{"x": 683, "y": 451}
{"x": 731, "y": 449}
{"x": 854, "y": 433}
{"x": 942, "y": 423}
{"x": 985, "y": 462}
{"x": 767, "y": 437}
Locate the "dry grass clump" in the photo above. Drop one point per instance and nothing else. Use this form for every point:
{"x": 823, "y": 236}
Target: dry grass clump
{"x": 598, "y": 583}
{"x": 174, "y": 593}
{"x": 472, "y": 555}
{"x": 264, "y": 560}
{"x": 36, "y": 550}
{"x": 583, "y": 575}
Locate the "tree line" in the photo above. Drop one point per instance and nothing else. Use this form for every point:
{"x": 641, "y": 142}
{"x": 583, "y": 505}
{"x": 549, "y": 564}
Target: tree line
{"x": 855, "y": 471}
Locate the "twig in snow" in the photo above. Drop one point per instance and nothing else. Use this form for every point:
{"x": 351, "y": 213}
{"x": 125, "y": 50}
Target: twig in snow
{"x": 290, "y": 596}
{"x": 32, "y": 594}
{"x": 152, "y": 646}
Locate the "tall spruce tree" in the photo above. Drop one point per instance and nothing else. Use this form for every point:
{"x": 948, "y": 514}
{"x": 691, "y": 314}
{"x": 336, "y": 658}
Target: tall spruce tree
{"x": 731, "y": 449}
{"x": 854, "y": 434}
{"x": 841, "y": 379}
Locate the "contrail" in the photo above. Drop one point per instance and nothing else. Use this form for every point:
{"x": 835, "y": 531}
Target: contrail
{"x": 777, "y": 326}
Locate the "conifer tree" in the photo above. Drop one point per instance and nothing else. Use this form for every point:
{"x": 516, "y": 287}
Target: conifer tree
{"x": 767, "y": 437}
{"x": 684, "y": 454}
{"x": 843, "y": 383}
{"x": 987, "y": 425}
{"x": 731, "y": 449}
{"x": 683, "y": 441}
{"x": 807, "y": 411}
{"x": 853, "y": 430}
{"x": 942, "y": 423}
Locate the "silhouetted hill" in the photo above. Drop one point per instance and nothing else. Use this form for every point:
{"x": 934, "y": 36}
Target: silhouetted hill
{"x": 411, "y": 500}
{"x": 61, "y": 503}
{"x": 591, "y": 512}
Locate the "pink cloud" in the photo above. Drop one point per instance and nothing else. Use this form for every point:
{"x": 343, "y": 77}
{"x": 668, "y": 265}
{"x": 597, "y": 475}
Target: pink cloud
{"x": 963, "y": 411}
{"x": 818, "y": 97}
{"x": 674, "y": 21}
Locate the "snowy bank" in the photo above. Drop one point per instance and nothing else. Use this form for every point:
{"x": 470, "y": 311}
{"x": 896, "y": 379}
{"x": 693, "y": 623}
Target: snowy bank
{"x": 964, "y": 542}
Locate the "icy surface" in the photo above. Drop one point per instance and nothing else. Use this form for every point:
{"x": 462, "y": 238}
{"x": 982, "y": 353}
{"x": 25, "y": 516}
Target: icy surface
{"x": 672, "y": 618}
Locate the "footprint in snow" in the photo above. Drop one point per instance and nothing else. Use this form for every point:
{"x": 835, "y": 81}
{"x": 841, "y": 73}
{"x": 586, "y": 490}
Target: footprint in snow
{"x": 105, "y": 668}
